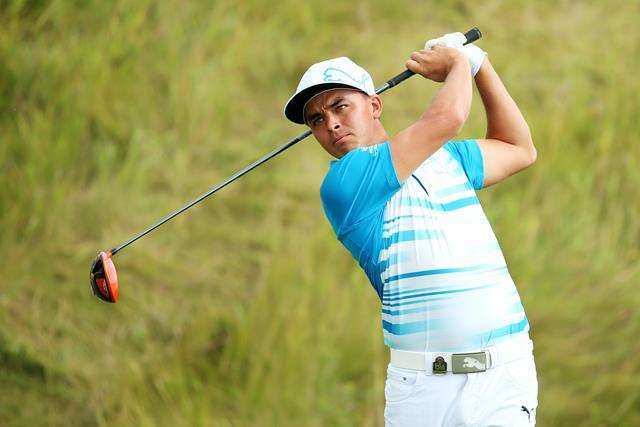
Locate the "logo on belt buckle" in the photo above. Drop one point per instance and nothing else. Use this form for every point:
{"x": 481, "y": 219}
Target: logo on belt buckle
{"x": 439, "y": 366}
{"x": 464, "y": 363}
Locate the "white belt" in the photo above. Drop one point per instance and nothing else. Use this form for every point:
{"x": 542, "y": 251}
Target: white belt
{"x": 435, "y": 363}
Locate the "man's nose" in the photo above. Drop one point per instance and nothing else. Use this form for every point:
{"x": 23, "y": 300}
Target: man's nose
{"x": 333, "y": 124}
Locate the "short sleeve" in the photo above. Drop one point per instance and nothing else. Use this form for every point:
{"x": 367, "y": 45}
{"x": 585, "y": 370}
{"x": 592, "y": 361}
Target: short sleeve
{"x": 468, "y": 153}
{"x": 358, "y": 185}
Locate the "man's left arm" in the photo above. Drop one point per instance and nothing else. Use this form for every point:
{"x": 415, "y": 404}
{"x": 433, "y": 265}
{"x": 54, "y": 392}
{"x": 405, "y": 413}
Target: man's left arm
{"x": 508, "y": 147}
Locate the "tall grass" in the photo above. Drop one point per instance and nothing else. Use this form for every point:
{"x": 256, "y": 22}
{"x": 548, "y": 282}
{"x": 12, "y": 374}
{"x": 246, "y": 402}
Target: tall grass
{"x": 247, "y": 311}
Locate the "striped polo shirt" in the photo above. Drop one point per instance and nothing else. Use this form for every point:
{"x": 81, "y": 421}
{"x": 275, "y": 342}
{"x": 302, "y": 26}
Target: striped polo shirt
{"x": 426, "y": 247}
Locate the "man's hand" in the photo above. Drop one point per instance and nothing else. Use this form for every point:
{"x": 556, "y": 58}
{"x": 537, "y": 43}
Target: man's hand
{"x": 434, "y": 64}
{"x": 474, "y": 54}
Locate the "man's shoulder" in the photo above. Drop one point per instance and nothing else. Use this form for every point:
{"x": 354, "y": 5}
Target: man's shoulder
{"x": 362, "y": 178}
{"x": 355, "y": 160}
{"x": 359, "y": 152}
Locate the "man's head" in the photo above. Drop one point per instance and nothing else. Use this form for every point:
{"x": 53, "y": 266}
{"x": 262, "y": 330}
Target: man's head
{"x": 337, "y": 100}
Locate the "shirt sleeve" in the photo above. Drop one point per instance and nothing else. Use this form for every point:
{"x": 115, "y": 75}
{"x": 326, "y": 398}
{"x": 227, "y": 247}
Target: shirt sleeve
{"x": 358, "y": 185}
{"x": 468, "y": 153}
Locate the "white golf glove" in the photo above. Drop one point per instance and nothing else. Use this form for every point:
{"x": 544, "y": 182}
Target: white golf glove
{"x": 474, "y": 54}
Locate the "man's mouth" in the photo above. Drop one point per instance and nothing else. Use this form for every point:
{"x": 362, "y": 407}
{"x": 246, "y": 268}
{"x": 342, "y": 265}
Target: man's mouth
{"x": 339, "y": 139}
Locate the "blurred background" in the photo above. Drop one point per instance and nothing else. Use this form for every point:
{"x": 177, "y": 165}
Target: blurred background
{"x": 246, "y": 310}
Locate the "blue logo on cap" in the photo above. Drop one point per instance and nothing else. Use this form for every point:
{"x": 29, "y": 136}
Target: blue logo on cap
{"x": 332, "y": 74}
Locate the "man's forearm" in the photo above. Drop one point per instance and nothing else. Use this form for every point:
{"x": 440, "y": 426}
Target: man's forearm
{"x": 504, "y": 119}
{"x": 454, "y": 97}
{"x": 445, "y": 115}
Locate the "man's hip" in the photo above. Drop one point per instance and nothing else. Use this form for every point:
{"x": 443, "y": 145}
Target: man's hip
{"x": 503, "y": 392}
{"x": 479, "y": 360}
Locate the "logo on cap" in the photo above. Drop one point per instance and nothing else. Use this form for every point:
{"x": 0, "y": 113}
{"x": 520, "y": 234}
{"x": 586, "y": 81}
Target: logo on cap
{"x": 332, "y": 74}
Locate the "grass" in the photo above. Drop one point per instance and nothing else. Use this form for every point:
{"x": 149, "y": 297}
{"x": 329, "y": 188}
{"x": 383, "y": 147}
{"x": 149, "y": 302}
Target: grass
{"x": 247, "y": 311}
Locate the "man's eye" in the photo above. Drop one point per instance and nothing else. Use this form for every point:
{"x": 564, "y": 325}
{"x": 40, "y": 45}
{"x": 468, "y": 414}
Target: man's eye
{"x": 341, "y": 105}
{"x": 316, "y": 121}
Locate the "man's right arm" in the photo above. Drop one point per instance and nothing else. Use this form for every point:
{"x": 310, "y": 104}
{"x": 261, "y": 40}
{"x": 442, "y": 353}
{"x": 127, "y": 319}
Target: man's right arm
{"x": 446, "y": 114}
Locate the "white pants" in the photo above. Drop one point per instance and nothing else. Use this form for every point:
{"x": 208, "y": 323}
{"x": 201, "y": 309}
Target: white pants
{"x": 505, "y": 395}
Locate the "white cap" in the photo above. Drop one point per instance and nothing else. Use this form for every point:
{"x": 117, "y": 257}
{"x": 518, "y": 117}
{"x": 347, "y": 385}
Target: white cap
{"x": 322, "y": 76}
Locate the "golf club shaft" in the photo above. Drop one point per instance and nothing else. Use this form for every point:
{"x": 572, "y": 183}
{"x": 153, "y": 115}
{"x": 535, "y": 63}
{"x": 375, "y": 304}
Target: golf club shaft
{"x": 471, "y": 36}
{"x": 214, "y": 189}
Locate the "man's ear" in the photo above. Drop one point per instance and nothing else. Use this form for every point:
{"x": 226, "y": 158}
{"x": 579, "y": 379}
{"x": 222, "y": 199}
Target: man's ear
{"x": 375, "y": 102}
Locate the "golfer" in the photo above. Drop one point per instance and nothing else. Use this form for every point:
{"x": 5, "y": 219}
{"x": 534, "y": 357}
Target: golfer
{"x": 405, "y": 207}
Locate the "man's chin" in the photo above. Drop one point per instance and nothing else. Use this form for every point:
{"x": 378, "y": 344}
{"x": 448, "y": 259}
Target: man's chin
{"x": 349, "y": 144}
{"x": 345, "y": 147}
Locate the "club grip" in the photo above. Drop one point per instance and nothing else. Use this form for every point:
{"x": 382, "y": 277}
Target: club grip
{"x": 471, "y": 36}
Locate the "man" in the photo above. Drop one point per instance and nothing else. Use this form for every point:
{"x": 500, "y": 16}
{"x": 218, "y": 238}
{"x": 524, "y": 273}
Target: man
{"x": 406, "y": 209}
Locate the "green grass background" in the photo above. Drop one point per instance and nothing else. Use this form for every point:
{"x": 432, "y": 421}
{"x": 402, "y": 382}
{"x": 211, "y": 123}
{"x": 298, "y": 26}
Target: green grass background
{"x": 246, "y": 311}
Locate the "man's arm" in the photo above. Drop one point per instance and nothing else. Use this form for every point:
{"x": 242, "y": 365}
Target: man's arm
{"x": 508, "y": 147}
{"x": 446, "y": 114}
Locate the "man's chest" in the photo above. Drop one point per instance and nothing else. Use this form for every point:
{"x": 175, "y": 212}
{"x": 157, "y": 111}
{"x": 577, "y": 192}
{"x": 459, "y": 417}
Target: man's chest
{"x": 436, "y": 209}
{"x": 439, "y": 178}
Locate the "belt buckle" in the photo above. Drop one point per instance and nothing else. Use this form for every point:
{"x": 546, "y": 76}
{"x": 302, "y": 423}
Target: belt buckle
{"x": 439, "y": 366}
{"x": 464, "y": 363}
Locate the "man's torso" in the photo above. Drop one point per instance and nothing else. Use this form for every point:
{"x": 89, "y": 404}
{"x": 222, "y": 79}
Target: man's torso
{"x": 445, "y": 283}
{"x": 427, "y": 248}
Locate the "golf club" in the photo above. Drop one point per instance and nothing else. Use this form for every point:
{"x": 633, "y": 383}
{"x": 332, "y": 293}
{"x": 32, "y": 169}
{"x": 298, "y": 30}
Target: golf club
{"x": 103, "y": 277}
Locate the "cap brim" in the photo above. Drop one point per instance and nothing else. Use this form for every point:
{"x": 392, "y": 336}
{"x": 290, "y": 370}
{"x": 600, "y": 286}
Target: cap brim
{"x": 293, "y": 110}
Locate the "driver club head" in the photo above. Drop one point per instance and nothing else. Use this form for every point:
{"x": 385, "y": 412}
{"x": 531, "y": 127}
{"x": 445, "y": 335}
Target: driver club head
{"x": 103, "y": 278}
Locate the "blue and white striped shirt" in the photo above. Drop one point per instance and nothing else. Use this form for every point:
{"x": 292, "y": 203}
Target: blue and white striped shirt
{"x": 426, "y": 247}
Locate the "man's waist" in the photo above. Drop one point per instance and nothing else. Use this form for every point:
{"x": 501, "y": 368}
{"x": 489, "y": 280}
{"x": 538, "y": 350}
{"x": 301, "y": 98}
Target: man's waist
{"x": 473, "y": 360}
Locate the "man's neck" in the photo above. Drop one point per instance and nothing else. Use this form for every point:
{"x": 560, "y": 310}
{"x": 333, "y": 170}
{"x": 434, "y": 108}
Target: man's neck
{"x": 380, "y": 136}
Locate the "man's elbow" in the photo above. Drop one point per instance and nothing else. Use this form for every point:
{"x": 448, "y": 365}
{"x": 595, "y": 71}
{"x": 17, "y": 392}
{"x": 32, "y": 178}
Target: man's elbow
{"x": 531, "y": 154}
{"x": 530, "y": 149}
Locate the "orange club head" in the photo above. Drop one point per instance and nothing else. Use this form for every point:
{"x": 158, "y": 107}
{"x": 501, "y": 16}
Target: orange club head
{"x": 103, "y": 278}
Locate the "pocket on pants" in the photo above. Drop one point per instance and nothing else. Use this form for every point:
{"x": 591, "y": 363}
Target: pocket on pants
{"x": 400, "y": 384}
{"x": 516, "y": 394}
{"x": 522, "y": 374}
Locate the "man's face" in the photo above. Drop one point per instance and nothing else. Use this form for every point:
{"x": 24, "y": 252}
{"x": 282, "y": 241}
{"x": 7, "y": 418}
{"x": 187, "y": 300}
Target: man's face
{"x": 343, "y": 119}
